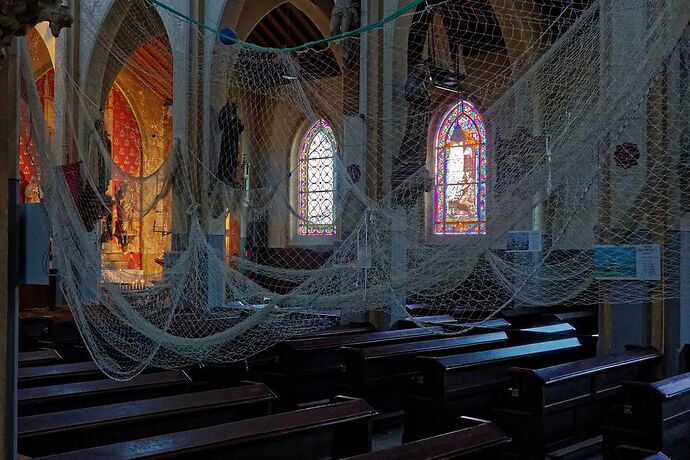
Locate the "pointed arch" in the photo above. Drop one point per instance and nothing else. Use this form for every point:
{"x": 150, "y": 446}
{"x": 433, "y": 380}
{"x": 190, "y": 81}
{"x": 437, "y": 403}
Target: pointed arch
{"x": 460, "y": 172}
{"x": 316, "y": 181}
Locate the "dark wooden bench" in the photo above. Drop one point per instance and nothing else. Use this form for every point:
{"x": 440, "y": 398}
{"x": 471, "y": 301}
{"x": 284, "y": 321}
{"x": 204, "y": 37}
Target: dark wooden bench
{"x": 492, "y": 323}
{"x": 585, "y": 321}
{"x": 65, "y": 431}
{"x": 308, "y": 368}
{"x": 550, "y": 407}
{"x": 635, "y": 453}
{"x": 39, "y": 358}
{"x": 430, "y": 319}
{"x": 544, "y": 315}
{"x": 335, "y": 430}
{"x": 419, "y": 309}
{"x": 654, "y": 416}
{"x": 55, "y": 398}
{"x": 380, "y": 374}
{"x": 552, "y": 328}
{"x": 58, "y": 374}
{"x": 470, "y": 383}
{"x": 257, "y": 366}
{"x": 481, "y": 440}
{"x": 343, "y": 329}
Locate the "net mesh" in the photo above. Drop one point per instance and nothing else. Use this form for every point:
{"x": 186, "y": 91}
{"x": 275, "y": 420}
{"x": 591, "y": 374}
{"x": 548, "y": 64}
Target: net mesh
{"x": 276, "y": 192}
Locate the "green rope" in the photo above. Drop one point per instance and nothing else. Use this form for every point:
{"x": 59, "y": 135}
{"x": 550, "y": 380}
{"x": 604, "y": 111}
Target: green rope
{"x": 373, "y": 25}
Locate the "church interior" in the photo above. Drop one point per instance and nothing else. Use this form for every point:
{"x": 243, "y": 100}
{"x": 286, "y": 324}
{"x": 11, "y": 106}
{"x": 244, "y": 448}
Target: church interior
{"x": 329, "y": 229}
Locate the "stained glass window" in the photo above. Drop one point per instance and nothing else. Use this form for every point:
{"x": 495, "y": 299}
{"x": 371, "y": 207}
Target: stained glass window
{"x": 460, "y": 173}
{"x": 316, "y": 181}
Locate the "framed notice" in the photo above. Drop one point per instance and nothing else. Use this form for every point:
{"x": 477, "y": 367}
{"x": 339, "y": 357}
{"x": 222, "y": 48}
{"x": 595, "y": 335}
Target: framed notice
{"x": 526, "y": 241}
{"x": 640, "y": 262}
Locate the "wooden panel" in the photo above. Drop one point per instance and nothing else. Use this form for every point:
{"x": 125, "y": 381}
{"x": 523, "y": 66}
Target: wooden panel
{"x": 334, "y": 430}
{"x": 90, "y": 427}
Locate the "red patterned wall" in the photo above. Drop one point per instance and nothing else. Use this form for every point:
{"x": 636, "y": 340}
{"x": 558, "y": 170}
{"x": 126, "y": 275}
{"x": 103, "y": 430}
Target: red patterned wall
{"x": 46, "y": 88}
{"x": 126, "y": 137}
{"x": 127, "y": 155}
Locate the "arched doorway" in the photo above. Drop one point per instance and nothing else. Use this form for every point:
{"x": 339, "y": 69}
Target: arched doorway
{"x": 130, "y": 80}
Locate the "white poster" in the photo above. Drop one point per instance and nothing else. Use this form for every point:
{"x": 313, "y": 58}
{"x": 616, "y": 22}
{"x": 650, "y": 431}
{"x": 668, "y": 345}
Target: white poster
{"x": 525, "y": 241}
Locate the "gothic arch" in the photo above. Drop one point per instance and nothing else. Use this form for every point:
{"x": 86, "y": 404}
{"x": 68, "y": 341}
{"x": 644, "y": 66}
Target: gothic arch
{"x": 102, "y": 67}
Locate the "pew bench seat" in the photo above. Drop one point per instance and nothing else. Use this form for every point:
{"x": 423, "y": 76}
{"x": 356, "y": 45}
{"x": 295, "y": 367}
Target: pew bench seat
{"x": 334, "y": 430}
{"x": 39, "y": 358}
{"x": 93, "y": 426}
{"x": 470, "y": 383}
{"x": 653, "y": 416}
{"x": 310, "y": 369}
{"x": 55, "y": 398}
{"x": 58, "y": 374}
{"x": 480, "y": 441}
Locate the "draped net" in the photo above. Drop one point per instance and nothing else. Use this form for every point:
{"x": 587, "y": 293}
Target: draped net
{"x": 356, "y": 205}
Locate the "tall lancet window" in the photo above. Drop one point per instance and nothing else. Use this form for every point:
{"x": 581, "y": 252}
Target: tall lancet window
{"x": 460, "y": 173}
{"x": 315, "y": 198}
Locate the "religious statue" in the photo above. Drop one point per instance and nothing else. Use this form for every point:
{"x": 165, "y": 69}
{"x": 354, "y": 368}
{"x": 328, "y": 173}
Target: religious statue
{"x": 231, "y": 126}
{"x": 17, "y": 16}
{"x": 345, "y": 16}
{"x": 32, "y": 192}
{"x": 411, "y": 158}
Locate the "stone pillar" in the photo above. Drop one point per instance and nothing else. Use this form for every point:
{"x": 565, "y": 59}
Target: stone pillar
{"x": 390, "y": 141}
{"x": 621, "y": 323}
{"x": 355, "y": 135}
{"x": 677, "y": 307}
{"x": 399, "y": 238}
{"x": 9, "y": 150}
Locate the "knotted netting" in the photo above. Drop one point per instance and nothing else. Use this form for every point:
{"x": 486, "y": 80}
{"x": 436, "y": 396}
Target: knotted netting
{"x": 288, "y": 189}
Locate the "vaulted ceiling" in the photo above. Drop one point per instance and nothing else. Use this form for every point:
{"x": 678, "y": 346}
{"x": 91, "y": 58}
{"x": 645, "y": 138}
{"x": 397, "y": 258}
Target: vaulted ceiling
{"x": 152, "y": 65}
{"x": 287, "y": 26}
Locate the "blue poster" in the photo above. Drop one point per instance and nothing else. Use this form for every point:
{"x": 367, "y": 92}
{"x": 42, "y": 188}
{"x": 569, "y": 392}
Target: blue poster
{"x": 640, "y": 262}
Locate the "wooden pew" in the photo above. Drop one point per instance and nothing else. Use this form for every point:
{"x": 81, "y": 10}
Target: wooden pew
{"x": 470, "y": 383}
{"x": 55, "y": 398}
{"x": 39, "y": 358}
{"x": 430, "y": 319}
{"x": 309, "y": 367}
{"x": 550, "y": 407}
{"x": 654, "y": 416}
{"x": 492, "y": 323}
{"x": 481, "y": 440}
{"x": 58, "y": 374}
{"x": 343, "y": 329}
{"x": 634, "y": 453}
{"x": 264, "y": 362}
{"x": 382, "y": 372}
{"x": 552, "y": 328}
{"x": 585, "y": 321}
{"x": 335, "y": 430}
{"x": 77, "y": 429}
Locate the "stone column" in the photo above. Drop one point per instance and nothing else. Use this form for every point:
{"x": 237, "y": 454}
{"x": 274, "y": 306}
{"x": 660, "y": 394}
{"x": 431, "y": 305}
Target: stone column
{"x": 677, "y": 308}
{"x": 392, "y": 81}
{"x": 9, "y": 150}
{"x": 621, "y": 323}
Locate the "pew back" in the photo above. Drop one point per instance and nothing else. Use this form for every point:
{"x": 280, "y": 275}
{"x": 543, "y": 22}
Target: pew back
{"x": 655, "y": 416}
{"x": 39, "y": 358}
{"x": 331, "y": 431}
{"x": 93, "y": 426}
{"x": 479, "y": 441}
{"x": 57, "y": 374}
{"x": 55, "y": 398}
{"x": 552, "y": 406}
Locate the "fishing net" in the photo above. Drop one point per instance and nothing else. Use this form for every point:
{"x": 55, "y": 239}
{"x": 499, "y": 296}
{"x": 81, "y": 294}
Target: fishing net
{"x": 451, "y": 153}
